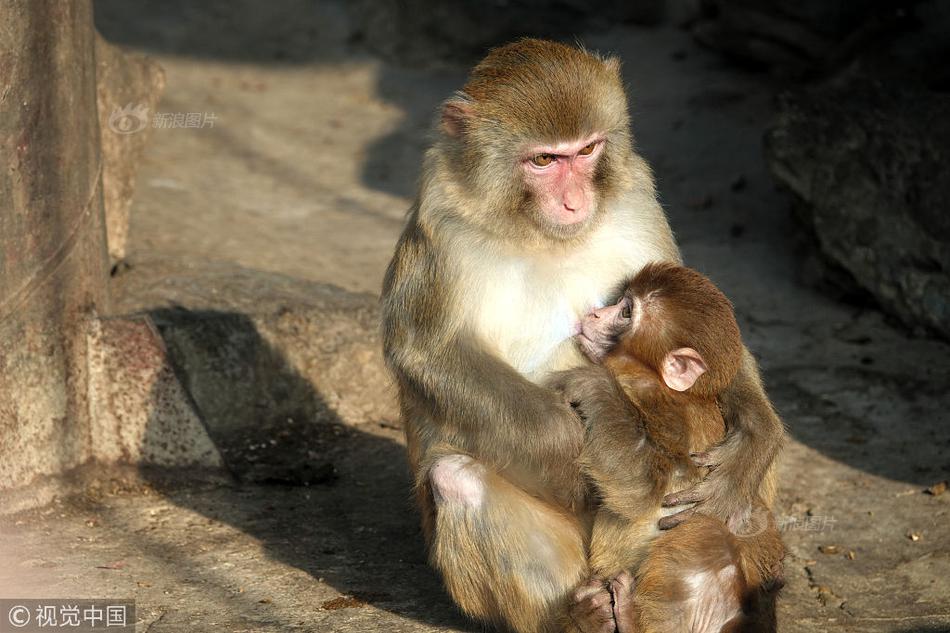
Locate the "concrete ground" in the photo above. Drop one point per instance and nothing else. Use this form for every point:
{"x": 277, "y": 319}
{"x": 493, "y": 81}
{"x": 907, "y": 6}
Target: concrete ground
{"x": 304, "y": 179}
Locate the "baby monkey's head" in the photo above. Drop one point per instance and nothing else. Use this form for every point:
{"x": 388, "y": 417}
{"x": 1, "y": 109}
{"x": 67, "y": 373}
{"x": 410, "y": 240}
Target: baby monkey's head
{"x": 674, "y": 320}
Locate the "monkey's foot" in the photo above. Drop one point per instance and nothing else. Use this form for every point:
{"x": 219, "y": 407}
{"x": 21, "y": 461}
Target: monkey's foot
{"x": 592, "y": 611}
{"x": 622, "y": 588}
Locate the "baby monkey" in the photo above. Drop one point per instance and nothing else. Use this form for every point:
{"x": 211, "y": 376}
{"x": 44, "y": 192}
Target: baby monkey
{"x": 663, "y": 355}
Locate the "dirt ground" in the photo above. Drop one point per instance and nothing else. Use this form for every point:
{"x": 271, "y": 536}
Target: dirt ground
{"x": 304, "y": 178}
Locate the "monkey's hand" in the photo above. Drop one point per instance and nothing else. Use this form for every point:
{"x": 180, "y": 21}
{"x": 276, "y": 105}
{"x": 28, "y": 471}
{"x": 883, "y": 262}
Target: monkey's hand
{"x": 740, "y": 467}
{"x": 586, "y": 389}
{"x": 715, "y": 495}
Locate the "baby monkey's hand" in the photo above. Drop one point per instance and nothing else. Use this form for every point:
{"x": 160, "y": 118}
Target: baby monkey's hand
{"x": 716, "y": 495}
{"x": 585, "y": 389}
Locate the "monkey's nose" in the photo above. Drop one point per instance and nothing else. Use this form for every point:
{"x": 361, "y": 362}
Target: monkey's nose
{"x": 572, "y": 197}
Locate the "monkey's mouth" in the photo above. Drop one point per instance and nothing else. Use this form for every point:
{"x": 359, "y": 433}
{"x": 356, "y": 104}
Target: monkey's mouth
{"x": 591, "y": 349}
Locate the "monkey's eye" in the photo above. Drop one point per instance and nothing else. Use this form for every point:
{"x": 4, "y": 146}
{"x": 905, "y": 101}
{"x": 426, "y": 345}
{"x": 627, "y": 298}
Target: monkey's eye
{"x": 543, "y": 160}
{"x": 626, "y": 312}
{"x": 587, "y": 150}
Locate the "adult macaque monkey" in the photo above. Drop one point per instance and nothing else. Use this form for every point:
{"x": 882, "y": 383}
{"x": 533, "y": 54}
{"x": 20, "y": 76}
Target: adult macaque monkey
{"x": 532, "y": 210}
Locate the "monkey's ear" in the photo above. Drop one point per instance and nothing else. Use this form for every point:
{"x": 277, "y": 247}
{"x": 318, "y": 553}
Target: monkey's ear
{"x": 682, "y": 368}
{"x": 456, "y": 113}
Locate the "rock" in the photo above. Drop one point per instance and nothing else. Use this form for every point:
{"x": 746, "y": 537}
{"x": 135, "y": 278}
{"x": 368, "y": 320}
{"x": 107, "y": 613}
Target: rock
{"x": 281, "y": 370}
{"x": 421, "y": 32}
{"x": 868, "y": 162}
{"x": 127, "y": 90}
{"x": 63, "y": 396}
{"x": 805, "y": 36}
{"x": 140, "y": 414}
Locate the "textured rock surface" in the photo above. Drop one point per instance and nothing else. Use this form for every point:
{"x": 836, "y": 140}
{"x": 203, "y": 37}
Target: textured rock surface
{"x": 801, "y": 38}
{"x": 869, "y": 162}
{"x": 139, "y": 412}
{"x": 52, "y": 248}
{"x": 281, "y": 370}
{"x": 127, "y": 89}
{"x": 73, "y": 388}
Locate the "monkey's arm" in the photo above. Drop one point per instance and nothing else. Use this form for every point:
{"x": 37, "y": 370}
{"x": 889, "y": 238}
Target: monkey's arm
{"x": 624, "y": 465}
{"x": 491, "y": 410}
{"x": 743, "y": 463}
{"x": 455, "y": 390}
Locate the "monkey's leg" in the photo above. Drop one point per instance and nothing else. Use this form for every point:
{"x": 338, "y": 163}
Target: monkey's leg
{"x": 690, "y": 581}
{"x": 505, "y": 556}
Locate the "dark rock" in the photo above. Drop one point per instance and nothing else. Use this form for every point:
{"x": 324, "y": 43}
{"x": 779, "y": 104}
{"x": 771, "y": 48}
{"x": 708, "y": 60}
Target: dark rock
{"x": 805, "y": 36}
{"x": 423, "y": 32}
{"x": 868, "y": 161}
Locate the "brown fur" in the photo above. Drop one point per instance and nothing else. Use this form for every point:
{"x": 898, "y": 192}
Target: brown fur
{"x": 640, "y": 437}
{"x": 683, "y": 308}
{"x": 516, "y": 558}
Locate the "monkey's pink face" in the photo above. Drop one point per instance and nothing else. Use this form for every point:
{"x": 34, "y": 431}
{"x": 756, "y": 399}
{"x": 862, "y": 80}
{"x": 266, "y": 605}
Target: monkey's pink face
{"x": 600, "y": 329}
{"x": 562, "y": 179}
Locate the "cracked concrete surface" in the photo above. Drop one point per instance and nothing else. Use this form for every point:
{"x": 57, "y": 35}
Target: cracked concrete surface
{"x": 302, "y": 181}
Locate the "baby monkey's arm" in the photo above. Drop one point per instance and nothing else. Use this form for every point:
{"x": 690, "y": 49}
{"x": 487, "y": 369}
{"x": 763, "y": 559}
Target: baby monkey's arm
{"x": 617, "y": 457}
{"x": 743, "y": 465}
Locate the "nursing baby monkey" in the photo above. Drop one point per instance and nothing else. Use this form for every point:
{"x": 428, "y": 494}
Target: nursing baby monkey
{"x": 665, "y": 352}
{"x": 533, "y": 208}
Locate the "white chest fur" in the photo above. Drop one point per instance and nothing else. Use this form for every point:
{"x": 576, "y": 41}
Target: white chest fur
{"x": 526, "y": 307}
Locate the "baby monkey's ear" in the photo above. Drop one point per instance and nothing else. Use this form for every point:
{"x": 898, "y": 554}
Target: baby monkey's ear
{"x": 682, "y": 368}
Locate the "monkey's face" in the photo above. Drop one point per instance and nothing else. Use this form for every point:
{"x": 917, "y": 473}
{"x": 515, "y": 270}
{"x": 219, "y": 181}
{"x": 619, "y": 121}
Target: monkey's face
{"x": 601, "y": 329}
{"x": 539, "y": 141}
{"x": 673, "y": 320}
{"x": 561, "y": 182}
{"x": 631, "y": 328}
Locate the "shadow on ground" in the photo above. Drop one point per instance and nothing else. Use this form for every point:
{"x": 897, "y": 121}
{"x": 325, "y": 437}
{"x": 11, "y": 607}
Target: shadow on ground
{"x": 346, "y": 491}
